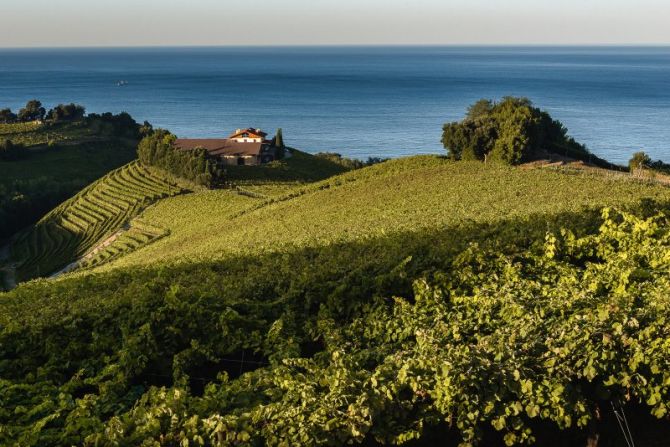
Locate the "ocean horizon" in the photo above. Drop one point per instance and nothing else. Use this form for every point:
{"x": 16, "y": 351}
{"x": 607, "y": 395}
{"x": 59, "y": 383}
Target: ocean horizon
{"x": 360, "y": 101}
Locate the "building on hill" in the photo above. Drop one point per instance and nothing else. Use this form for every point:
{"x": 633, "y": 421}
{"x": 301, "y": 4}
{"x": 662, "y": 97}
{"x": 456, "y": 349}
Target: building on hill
{"x": 248, "y": 135}
{"x": 246, "y": 147}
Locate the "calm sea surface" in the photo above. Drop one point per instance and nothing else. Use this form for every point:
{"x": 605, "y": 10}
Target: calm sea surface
{"x": 359, "y": 101}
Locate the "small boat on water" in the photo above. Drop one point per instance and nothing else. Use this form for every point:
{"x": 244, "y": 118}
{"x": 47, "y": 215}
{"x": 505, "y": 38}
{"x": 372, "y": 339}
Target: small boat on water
{"x": 121, "y": 83}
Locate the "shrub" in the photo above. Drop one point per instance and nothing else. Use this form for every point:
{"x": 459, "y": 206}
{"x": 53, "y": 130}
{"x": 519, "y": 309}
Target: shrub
{"x": 639, "y": 160}
{"x": 511, "y": 131}
{"x": 121, "y": 125}
{"x": 66, "y": 112}
{"x": 196, "y": 165}
{"x": 33, "y": 111}
{"x": 7, "y": 116}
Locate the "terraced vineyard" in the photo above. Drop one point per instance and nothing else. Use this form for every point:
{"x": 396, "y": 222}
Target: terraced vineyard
{"x": 99, "y": 211}
{"x": 136, "y": 236}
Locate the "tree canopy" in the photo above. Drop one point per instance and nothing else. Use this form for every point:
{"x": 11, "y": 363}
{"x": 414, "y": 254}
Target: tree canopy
{"x": 510, "y": 131}
{"x": 32, "y": 111}
{"x": 7, "y": 116}
{"x": 196, "y": 165}
{"x": 66, "y": 112}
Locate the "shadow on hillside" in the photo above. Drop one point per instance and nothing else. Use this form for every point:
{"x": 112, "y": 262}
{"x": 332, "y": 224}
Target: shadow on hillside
{"x": 299, "y": 167}
{"x": 206, "y": 315}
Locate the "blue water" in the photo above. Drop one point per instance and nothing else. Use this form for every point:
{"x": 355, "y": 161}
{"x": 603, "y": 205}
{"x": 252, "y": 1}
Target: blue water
{"x": 359, "y": 101}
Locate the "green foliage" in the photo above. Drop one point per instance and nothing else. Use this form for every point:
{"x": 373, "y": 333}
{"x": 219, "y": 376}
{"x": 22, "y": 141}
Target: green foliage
{"x": 278, "y": 142}
{"x": 98, "y": 211}
{"x": 511, "y": 131}
{"x": 33, "y": 111}
{"x": 639, "y": 160}
{"x": 42, "y": 178}
{"x": 403, "y": 196}
{"x": 297, "y": 168}
{"x": 347, "y": 163}
{"x": 196, "y": 165}
{"x": 7, "y": 116}
{"x": 120, "y": 126}
{"x": 66, "y": 112}
{"x": 494, "y": 342}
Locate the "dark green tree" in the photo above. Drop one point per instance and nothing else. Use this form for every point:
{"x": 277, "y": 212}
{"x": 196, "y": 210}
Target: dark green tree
{"x": 66, "y": 112}
{"x": 197, "y": 165}
{"x": 7, "y": 116}
{"x": 510, "y": 131}
{"x": 639, "y": 160}
{"x": 33, "y": 111}
{"x": 279, "y": 139}
{"x": 480, "y": 108}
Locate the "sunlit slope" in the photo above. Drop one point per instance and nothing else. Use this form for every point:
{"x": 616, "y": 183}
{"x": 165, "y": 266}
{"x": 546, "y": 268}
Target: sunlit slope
{"x": 77, "y": 225}
{"x": 412, "y": 195}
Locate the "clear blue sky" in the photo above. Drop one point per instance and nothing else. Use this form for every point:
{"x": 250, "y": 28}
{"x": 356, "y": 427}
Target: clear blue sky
{"x": 305, "y": 22}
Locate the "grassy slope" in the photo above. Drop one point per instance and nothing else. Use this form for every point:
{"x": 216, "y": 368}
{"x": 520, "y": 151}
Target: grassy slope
{"x": 32, "y": 134}
{"x": 96, "y": 212}
{"x": 86, "y": 161}
{"x": 135, "y": 326}
{"x": 51, "y": 174}
{"x": 77, "y": 152}
{"x": 407, "y": 195}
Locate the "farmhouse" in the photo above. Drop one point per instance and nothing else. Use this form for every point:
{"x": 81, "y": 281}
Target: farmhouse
{"x": 243, "y": 147}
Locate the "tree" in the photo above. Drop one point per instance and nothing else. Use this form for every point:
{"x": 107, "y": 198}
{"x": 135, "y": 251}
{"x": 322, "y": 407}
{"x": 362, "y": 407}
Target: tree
{"x": 639, "y": 160}
{"x": 278, "y": 142}
{"x": 66, "y": 112}
{"x": 33, "y": 111}
{"x": 279, "y": 138}
{"x": 510, "y": 131}
{"x": 480, "y": 108}
{"x": 146, "y": 129}
{"x": 7, "y": 116}
{"x": 197, "y": 165}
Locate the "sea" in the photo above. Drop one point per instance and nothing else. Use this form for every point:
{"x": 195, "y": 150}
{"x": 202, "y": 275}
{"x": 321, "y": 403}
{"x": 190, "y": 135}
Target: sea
{"x": 358, "y": 101}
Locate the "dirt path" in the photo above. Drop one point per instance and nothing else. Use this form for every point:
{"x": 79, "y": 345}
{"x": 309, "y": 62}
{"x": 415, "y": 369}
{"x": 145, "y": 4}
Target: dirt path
{"x": 104, "y": 244}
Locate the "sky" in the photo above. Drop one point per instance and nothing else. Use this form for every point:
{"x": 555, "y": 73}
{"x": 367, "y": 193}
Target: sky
{"x": 47, "y": 23}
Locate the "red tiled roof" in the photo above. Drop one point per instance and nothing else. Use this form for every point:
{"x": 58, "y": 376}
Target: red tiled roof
{"x": 252, "y": 133}
{"x": 220, "y": 146}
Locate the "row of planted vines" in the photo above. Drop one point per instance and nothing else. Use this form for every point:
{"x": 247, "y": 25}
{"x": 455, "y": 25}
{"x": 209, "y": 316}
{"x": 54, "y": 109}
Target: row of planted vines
{"x": 505, "y": 345}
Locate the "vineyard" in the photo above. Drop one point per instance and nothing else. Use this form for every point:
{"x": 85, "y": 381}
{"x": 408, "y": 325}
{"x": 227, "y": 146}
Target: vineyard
{"x": 415, "y": 302}
{"x": 69, "y": 231}
{"x": 415, "y": 196}
{"x": 33, "y": 133}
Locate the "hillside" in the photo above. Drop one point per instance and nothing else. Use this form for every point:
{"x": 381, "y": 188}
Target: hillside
{"x": 406, "y": 196}
{"x": 47, "y": 174}
{"x": 95, "y": 214}
{"x": 415, "y": 301}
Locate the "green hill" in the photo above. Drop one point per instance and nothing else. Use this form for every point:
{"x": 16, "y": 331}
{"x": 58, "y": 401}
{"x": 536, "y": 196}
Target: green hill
{"x": 410, "y": 195}
{"x": 415, "y": 301}
{"x": 47, "y": 174}
{"x": 97, "y": 212}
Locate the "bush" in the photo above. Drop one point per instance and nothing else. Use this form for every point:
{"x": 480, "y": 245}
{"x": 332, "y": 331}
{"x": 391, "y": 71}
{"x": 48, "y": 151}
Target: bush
{"x": 334, "y": 157}
{"x": 66, "y": 112}
{"x": 7, "y": 116}
{"x": 499, "y": 344}
{"x": 639, "y": 160}
{"x": 121, "y": 125}
{"x": 196, "y": 165}
{"x": 511, "y": 131}
{"x": 33, "y": 111}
